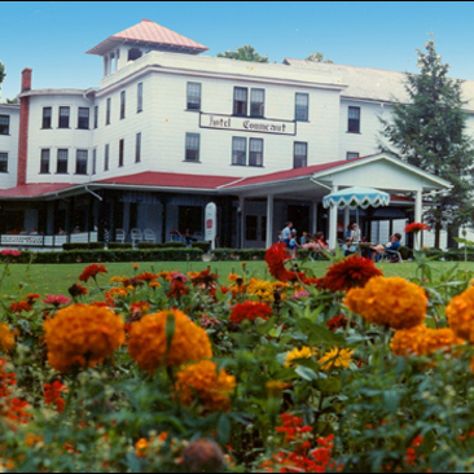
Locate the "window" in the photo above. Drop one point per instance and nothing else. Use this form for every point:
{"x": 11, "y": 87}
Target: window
{"x": 106, "y": 157}
{"x": 239, "y": 151}
{"x": 301, "y": 107}
{"x": 134, "y": 53}
{"x": 121, "y": 151}
{"x": 3, "y": 162}
{"x": 257, "y": 102}
{"x": 122, "y": 105}
{"x": 240, "y": 101}
{"x": 96, "y": 116}
{"x": 139, "y": 97}
{"x": 83, "y": 118}
{"x": 193, "y": 94}
{"x": 255, "y": 152}
{"x": 107, "y": 111}
{"x": 300, "y": 155}
{"x": 350, "y": 155}
{"x": 4, "y": 125}
{"x": 44, "y": 164}
{"x": 47, "y": 114}
{"x": 192, "y": 147}
{"x": 81, "y": 161}
{"x": 63, "y": 117}
{"x": 94, "y": 161}
{"x": 138, "y": 147}
{"x": 62, "y": 161}
{"x": 353, "y": 120}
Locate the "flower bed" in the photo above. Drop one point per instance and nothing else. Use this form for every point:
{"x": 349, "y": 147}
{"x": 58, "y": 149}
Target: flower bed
{"x": 346, "y": 371}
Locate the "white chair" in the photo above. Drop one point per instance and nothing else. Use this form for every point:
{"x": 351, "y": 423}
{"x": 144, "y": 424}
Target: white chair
{"x": 149, "y": 236}
{"x": 120, "y": 235}
{"x": 136, "y": 235}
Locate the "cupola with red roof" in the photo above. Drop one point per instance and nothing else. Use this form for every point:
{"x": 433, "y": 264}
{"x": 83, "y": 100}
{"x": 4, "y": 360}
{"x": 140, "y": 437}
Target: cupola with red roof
{"x": 131, "y": 43}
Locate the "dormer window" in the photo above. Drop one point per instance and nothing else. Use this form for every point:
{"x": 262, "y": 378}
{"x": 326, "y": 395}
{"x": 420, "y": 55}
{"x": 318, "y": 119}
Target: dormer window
{"x": 134, "y": 53}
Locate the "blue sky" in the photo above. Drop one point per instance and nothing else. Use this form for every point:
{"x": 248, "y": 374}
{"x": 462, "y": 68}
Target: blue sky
{"x": 374, "y": 34}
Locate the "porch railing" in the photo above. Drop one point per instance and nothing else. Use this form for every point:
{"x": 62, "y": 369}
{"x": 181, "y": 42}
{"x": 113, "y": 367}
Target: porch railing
{"x": 53, "y": 240}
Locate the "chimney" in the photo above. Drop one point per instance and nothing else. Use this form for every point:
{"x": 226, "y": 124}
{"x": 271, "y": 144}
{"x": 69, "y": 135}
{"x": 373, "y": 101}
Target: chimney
{"x": 24, "y": 123}
{"x": 26, "y": 79}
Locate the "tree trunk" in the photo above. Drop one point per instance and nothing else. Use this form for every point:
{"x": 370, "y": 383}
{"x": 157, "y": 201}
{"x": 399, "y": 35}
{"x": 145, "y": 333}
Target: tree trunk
{"x": 437, "y": 229}
{"x": 453, "y": 231}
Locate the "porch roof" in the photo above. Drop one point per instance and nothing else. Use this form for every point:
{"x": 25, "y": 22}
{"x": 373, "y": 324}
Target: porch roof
{"x": 33, "y": 190}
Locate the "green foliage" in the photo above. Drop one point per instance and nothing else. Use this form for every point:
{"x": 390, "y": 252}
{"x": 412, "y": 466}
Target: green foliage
{"x": 318, "y": 57}
{"x": 2, "y": 73}
{"x": 244, "y": 53}
{"x": 429, "y": 131}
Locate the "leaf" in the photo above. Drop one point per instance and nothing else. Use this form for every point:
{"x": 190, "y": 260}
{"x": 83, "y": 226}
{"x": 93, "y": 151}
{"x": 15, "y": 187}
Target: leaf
{"x": 306, "y": 373}
{"x": 170, "y": 327}
{"x": 223, "y": 429}
{"x": 329, "y": 385}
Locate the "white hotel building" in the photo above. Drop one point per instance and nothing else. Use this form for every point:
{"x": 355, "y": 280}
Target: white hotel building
{"x": 169, "y": 130}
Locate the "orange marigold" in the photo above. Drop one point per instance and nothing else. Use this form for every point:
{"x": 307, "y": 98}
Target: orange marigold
{"x": 201, "y": 381}
{"x": 460, "y": 313}
{"x": 7, "y": 338}
{"x": 421, "y": 340}
{"x": 148, "y": 345}
{"x": 389, "y": 301}
{"x": 82, "y": 335}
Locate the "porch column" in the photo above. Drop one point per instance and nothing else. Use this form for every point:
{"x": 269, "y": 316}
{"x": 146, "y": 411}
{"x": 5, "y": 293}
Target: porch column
{"x": 242, "y": 220}
{"x": 314, "y": 217}
{"x": 418, "y": 216}
{"x": 333, "y": 223}
{"x": 346, "y": 218}
{"x": 269, "y": 233}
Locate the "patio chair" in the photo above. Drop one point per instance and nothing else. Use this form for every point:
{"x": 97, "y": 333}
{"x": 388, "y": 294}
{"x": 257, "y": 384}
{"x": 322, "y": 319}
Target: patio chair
{"x": 120, "y": 235}
{"x": 392, "y": 256}
{"x": 136, "y": 235}
{"x": 149, "y": 235}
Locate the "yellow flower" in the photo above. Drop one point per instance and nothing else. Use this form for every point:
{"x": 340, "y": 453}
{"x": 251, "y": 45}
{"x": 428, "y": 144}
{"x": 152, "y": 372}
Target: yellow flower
{"x": 117, "y": 279}
{"x": 114, "y": 293}
{"x": 421, "y": 340}
{"x": 276, "y": 386}
{"x": 154, "y": 284}
{"x": 7, "y": 338}
{"x": 460, "y": 314}
{"x": 201, "y": 381}
{"x": 336, "y": 357}
{"x": 261, "y": 288}
{"x": 147, "y": 342}
{"x": 235, "y": 277}
{"x": 82, "y": 335}
{"x": 295, "y": 354}
{"x": 389, "y": 301}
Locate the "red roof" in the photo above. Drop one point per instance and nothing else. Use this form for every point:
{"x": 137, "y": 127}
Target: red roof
{"x": 170, "y": 180}
{"x": 288, "y": 174}
{"x": 32, "y": 190}
{"x": 150, "y": 33}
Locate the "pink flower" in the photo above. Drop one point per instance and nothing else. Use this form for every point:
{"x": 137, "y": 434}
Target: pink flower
{"x": 300, "y": 294}
{"x": 57, "y": 300}
{"x": 10, "y": 253}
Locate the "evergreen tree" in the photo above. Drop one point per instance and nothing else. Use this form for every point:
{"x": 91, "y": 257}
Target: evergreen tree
{"x": 2, "y": 73}
{"x": 318, "y": 57}
{"x": 244, "y": 53}
{"x": 429, "y": 132}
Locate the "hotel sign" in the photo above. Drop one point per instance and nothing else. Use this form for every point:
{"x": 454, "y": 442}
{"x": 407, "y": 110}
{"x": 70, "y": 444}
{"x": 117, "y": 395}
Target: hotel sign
{"x": 247, "y": 124}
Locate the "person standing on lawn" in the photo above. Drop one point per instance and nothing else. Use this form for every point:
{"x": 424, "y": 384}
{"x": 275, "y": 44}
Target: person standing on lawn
{"x": 286, "y": 233}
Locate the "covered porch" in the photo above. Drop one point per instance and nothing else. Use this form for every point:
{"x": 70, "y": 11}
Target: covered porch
{"x": 267, "y": 202}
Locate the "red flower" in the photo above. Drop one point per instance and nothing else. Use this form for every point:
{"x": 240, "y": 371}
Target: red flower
{"x": 10, "y": 253}
{"x": 53, "y": 394}
{"x": 7, "y": 379}
{"x": 353, "y": 271}
{"x": 20, "y": 306}
{"x": 416, "y": 227}
{"x": 250, "y": 310}
{"x": 146, "y": 276}
{"x": 338, "y": 321}
{"x": 56, "y": 300}
{"x": 92, "y": 270}
{"x": 275, "y": 257}
{"x": 77, "y": 290}
{"x": 177, "y": 287}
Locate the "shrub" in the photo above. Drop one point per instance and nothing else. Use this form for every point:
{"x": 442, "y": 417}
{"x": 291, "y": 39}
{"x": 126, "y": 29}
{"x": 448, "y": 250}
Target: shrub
{"x": 238, "y": 254}
{"x": 83, "y": 246}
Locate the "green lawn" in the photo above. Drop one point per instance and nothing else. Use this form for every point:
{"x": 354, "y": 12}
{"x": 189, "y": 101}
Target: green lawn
{"x": 56, "y": 278}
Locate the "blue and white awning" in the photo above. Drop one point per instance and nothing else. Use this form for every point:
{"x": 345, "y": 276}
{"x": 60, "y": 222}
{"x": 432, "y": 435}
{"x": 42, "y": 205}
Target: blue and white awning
{"x": 357, "y": 197}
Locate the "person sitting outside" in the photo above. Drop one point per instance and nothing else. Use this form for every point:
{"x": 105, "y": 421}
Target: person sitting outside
{"x": 389, "y": 248}
{"x": 349, "y": 247}
{"x": 293, "y": 244}
{"x": 304, "y": 238}
{"x": 286, "y": 233}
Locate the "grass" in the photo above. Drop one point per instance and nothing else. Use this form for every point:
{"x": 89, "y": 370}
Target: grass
{"x": 57, "y": 278}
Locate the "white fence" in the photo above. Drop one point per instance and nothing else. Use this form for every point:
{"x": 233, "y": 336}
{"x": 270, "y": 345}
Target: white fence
{"x": 57, "y": 240}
